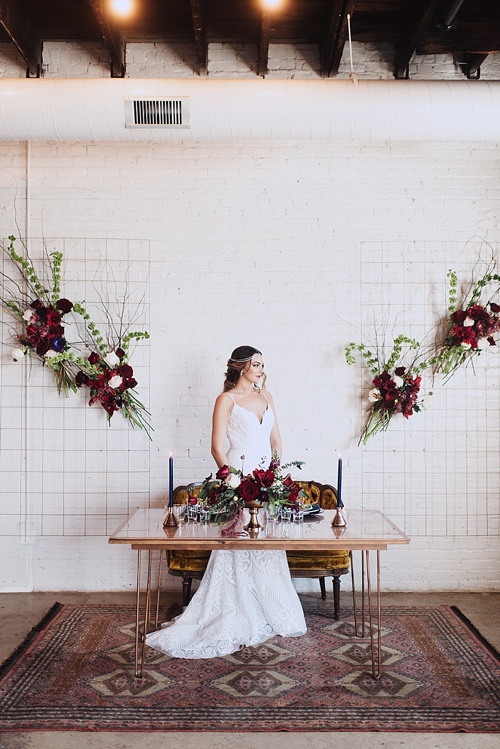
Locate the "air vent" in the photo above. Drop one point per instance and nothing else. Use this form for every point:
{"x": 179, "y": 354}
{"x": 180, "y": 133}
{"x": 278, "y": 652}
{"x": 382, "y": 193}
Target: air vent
{"x": 157, "y": 113}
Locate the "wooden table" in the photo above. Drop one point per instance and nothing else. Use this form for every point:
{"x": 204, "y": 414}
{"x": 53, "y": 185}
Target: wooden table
{"x": 366, "y": 531}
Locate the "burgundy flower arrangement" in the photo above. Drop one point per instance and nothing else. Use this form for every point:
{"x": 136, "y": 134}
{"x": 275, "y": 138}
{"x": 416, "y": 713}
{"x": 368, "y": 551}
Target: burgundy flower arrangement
{"x": 231, "y": 490}
{"x": 396, "y": 388}
{"x": 470, "y": 328}
{"x": 42, "y": 313}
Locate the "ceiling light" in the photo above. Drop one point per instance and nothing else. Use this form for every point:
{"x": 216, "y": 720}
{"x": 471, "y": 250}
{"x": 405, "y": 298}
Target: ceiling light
{"x": 121, "y": 7}
{"x": 271, "y": 4}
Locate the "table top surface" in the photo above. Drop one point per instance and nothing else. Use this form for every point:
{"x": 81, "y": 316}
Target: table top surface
{"x": 365, "y": 529}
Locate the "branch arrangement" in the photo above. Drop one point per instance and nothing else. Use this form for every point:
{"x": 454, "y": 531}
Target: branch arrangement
{"x": 90, "y": 362}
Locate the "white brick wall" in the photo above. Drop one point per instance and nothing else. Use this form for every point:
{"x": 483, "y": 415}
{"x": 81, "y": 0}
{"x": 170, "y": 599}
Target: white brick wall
{"x": 162, "y": 60}
{"x": 292, "y": 247}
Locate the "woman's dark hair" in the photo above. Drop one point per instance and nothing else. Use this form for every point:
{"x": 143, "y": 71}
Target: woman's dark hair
{"x": 237, "y": 363}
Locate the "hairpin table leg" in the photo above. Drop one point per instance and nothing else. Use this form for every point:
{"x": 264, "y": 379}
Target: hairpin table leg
{"x": 137, "y": 609}
{"x": 376, "y": 661}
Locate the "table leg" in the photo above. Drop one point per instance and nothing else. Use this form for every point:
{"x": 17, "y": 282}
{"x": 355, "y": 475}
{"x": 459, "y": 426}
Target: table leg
{"x": 361, "y": 632}
{"x": 139, "y": 666}
{"x": 376, "y": 661}
{"x": 357, "y": 631}
{"x": 137, "y": 609}
{"x": 157, "y": 612}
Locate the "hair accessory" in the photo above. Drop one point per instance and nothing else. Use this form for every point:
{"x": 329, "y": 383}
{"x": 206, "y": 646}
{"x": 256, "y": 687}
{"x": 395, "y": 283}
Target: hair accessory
{"x": 240, "y": 361}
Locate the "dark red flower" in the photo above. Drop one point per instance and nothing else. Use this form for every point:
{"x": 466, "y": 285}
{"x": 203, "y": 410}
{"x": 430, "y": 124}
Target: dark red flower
{"x": 64, "y": 305}
{"x": 94, "y": 358}
{"x": 399, "y": 371}
{"x": 53, "y": 316}
{"x": 120, "y": 353}
{"x": 264, "y": 478}
{"x": 249, "y": 490}
{"x": 125, "y": 370}
{"x": 494, "y": 307}
{"x": 223, "y": 473}
{"x": 81, "y": 379}
{"x": 42, "y": 347}
{"x": 459, "y": 316}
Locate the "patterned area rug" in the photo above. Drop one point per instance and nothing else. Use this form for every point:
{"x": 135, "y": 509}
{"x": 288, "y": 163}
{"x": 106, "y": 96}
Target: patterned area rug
{"x": 76, "y": 672}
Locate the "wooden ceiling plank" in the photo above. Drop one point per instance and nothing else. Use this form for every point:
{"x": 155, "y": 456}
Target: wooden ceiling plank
{"x": 420, "y": 17}
{"x": 21, "y": 32}
{"x": 112, "y": 37}
{"x": 332, "y": 46}
{"x": 265, "y": 31}
{"x": 200, "y": 34}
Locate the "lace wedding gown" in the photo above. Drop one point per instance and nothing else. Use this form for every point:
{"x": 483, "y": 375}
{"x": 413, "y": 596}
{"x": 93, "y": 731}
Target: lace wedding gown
{"x": 245, "y": 597}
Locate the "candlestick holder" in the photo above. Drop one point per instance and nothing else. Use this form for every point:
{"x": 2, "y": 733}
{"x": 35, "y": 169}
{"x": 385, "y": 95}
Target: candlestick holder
{"x": 170, "y": 520}
{"x": 339, "y": 520}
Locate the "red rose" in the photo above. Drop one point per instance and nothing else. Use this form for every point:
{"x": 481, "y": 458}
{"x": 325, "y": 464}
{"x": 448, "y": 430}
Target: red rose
{"x": 399, "y": 371}
{"x": 223, "y": 473}
{"x": 494, "y": 307}
{"x": 120, "y": 353}
{"x": 459, "y": 316}
{"x": 249, "y": 490}
{"x": 125, "y": 370}
{"x": 94, "y": 358}
{"x": 64, "y": 305}
{"x": 264, "y": 478}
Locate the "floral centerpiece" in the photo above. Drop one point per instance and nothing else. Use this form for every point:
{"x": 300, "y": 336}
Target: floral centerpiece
{"x": 470, "y": 326}
{"x": 231, "y": 490}
{"x": 395, "y": 388}
{"x": 44, "y": 315}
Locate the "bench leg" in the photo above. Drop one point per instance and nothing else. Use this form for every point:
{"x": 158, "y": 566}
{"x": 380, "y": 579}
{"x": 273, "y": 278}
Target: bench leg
{"x": 336, "y": 596}
{"x": 323, "y": 587}
{"x": 186, "y": 590}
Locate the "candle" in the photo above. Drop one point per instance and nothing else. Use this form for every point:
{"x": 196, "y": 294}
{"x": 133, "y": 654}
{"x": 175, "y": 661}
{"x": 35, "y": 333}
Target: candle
{"x": 339, "y": 484}
{"x": 171, "y": 481}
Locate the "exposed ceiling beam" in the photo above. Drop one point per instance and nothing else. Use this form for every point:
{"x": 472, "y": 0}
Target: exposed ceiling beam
{"x": 335, "y": 37}
{"x": 420, "y": 17}
{"x": 200, "y": 35}
{"x": 112, "y": 37}
{"x": 470, "y": 64}
{"x": 20, "y": 31}
{"x": 265, "y": 30}
{"x": 476, "y": 37}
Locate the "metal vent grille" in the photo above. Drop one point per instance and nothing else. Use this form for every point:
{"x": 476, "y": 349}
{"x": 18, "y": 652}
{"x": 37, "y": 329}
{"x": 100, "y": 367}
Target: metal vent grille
{"x": 157, "y": 113}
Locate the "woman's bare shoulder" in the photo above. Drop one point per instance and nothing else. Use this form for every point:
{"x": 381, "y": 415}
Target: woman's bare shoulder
{"x": 224, "y": 401}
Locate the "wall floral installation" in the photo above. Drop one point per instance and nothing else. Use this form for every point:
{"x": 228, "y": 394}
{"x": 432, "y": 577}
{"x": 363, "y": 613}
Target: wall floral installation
{"x": 470, "y": 325}
{"x": 467, "y": 330}
{"x": 396, "y": 388}
{"x": 48, "y": 320}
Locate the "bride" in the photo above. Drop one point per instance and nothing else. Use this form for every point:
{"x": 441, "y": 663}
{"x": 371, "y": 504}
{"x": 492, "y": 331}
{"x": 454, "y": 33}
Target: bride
{"x": 245, "y": 597}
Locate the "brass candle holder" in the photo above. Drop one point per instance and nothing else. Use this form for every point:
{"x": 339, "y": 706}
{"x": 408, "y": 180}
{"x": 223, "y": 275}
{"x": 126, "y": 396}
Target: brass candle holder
{"x": 170, "y": 520}
{"x": 339, "y": 520}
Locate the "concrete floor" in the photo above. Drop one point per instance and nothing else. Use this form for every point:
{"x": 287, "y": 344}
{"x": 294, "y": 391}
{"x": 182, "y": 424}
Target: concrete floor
{"x": 19, "y": 612}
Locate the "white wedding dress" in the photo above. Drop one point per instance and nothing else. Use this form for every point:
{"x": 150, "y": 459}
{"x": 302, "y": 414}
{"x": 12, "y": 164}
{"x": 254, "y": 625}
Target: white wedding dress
{"x": 245, "y": 597}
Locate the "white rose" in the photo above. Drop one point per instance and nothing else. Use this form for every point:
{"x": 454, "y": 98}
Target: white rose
{"x": 483, "y": 343}
{"x": 111, "y": 359}
{"x": 28, "y": 315}
{"x": 115, "y": 381}
{"x": 374, "y": 395}
{"x": 468, "y": 322}
{"x": 50, "y": 354}
{"x": 398, "y": 381}
{"x": 233, "y": 480}
{"x": 465, "y": 345}
{"x": 18, "y": 354}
